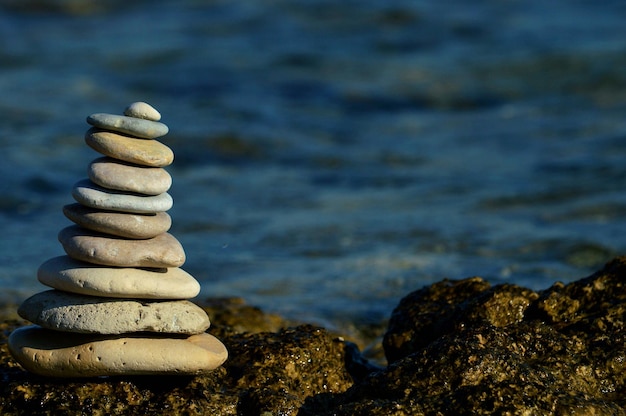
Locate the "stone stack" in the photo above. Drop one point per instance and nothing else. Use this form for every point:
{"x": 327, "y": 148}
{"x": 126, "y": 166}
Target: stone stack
{"x": 119, "y": 300}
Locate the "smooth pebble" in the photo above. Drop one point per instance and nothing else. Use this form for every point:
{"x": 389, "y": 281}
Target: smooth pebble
{"x": 141, "y": 152}
{"x": 121, "y": 224}
{"x": 70, "y": 275}
{"x": 142, "y": 110}
{"x": 136, "y": 127}
{"x": 89, "y": 194}
{"x": 123, "y": 176}
{"x": 164, "y": 250}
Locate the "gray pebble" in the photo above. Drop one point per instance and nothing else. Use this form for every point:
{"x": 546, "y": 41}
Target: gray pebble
{"x": 137, "y": 127}
{"x": 89, "y": 194}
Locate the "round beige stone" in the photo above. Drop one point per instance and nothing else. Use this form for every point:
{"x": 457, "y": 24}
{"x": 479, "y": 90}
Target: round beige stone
{"x": 129, "y": 149}
{"x": 51, "y": 354}
{"x": 94, "y": 196}
{"x": 142, "y": 110}
{"x": 122, "y": 176}
{"x": 164, "y": 250}
{"x": 121, "y": 224}
{"x": 70, "y": 275}
{"x": 62, "y": 311}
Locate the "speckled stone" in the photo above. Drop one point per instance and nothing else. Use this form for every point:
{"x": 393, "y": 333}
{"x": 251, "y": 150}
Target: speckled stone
{"x": 89, "y": 194}
{"x": 136, "y": 127}
{"x": 142, "y": 110}
{"x": 43, "y": 352}
{"x": 141, "y": 152}
{"x": 123, "y": 176}
{"x": 70, "y": 275}
{"x": 164, "y": 250}
{"x": 62, "y": 311}
{"x": 121, "y": 224}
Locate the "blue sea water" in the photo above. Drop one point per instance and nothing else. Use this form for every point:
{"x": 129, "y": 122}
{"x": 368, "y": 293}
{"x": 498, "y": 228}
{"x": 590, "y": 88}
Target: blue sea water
{"x": 332, "y": 156}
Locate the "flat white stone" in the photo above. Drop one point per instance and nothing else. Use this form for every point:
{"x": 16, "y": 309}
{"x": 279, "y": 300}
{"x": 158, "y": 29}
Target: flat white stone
{"x": 70, "y": 275}
{"x": 94, "y": 196}
{"x": 121, "y": 224}
{"x": 62, "y": 311}
{"x": 142, "y": 110}
{"x": 126, "y": 177}
{"x": 49, "y": 353}
{"x": 164, "y": 250}
{"x": 136, "y": 127}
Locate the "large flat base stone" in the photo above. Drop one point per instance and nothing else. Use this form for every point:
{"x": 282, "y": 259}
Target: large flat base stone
{"x": 55, "y": 354}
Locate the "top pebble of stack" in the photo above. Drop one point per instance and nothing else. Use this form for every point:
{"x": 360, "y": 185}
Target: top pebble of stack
{"x": 140, "y": 120}
{"x": 142, "y": 110}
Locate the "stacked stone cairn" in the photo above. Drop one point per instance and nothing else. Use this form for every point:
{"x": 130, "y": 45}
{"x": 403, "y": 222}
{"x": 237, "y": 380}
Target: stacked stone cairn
{"x": 119, "y": 304}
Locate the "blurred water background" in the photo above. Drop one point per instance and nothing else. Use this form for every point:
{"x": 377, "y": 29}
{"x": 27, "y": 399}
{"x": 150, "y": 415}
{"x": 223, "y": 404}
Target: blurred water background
{"x": 332, "y": 156}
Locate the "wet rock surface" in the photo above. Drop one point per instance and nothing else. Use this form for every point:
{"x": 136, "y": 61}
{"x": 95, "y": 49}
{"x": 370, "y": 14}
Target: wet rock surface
{"x": 455, "y": 347}
{"x": 463, "y": 347}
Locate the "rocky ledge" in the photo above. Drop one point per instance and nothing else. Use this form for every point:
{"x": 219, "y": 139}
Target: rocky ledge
{"x": 453, "y": 348}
